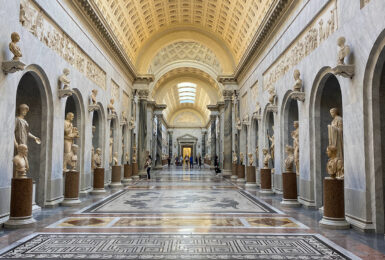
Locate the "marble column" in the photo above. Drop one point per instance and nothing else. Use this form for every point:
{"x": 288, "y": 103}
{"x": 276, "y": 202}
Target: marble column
{"x": 142, "y": 129}
{"x": 203, "y": 143}
{"x": 213, "y": 119}
{"x": 228, "y": 133}
{"x": 158, "y": 141}
{"x": 170, "y": 144}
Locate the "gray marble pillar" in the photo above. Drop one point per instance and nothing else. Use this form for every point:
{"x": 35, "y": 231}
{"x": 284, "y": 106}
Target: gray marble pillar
{"x": 203, "y": 144}
{"x": 228, "y": 134}
{"x": 213, "y": 138}
{"x": 142, "y": 129}
{"x": 170, "y": 145}
{"x": 158, "y": 141}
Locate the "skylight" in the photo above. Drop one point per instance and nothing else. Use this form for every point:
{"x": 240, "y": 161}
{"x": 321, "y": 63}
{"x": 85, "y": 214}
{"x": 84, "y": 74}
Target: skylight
{"x": 187, "y": 92}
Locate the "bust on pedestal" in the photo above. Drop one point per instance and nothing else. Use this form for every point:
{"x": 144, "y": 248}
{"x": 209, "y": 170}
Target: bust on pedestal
{"x": 21, "y": 192}
{"x": 289, "y": 181}
{"x": 116, "y": 178}
{"x": 15, "y": 64}
{"x": 127, "y": 176}
{"x": 234, "y": 175}
{"x": 250, "y": 173}
{"x": 71, "y": 177}
{"x": 266, "y": 174}
{"x": 98, "y": 184}
{"x": 241, "y": 169}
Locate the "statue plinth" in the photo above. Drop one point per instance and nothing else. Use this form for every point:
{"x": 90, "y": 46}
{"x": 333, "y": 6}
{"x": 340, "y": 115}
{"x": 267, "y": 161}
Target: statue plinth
{"x": 65, "y": 93}
{"x": 12, "y": 66}
{"x": 111, "y": 116}
{"x": 234, "y": 175}
{"x": 297, "y": 95}
{"x": 92, "y": 108}
{"x": 266, "y": 181}
{"x": 289, "y": 183}
{"x": 251, "y": 179}
{"x": 241, "y": 173}
{"x": 135, "y": 171}
{"x": 334, "y": 205}
{"x": 21, "y": 204}
{"x": 116, "y": 177}
{"x": 272, "y": 108}
{"x": 127, "y": 176}
{"x": 71, "y": 189}
{"x": 98, "y": 184}
{"x": 346, "y": 71}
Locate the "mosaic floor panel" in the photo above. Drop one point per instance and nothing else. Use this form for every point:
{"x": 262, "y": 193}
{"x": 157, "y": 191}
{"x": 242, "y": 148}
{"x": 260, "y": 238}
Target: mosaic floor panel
{"x": 174, "y": 201}
{"x": 175, "y": 246}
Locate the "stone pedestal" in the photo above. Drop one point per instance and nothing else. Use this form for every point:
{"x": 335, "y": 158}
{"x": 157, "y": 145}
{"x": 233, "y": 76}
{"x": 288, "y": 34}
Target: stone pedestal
{"x": 250, "y": 176}
{"x": 21, "y": 204}
{"x": 241, "y": 174}
{"x": 266, "y": 182}
{"x": 116, "y": 177}
{"x": 334, "y": 205}
{"x": 135, "y": 171}
{"x": 127, "y": 174}
{"x": 289, "y": 183}
{"x": 71, "y": 189}
{"x": 98, "y": 181}
{"x": 234, "y": 175}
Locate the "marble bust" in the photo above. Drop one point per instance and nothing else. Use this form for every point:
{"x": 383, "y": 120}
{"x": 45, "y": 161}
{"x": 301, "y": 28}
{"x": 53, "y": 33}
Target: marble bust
{"x": 94, "y": 93}
{"x": 64, "y": 80}
{"x": 251, "y": 160}
{"x": 20, "y": 162}
{"x": 97, "y": 159}
{"x": 235, "y": 158}
{"x": 127, "y": 158}
{"x": 16, "y": 51}
{"x": 289, "y": 161}
{"x": 272, "y": 95}
{"x": 335, "y": 166}
{"x": 111, "y": 108}
{"x": 335, "y": 132}
{"x": 266, "y": 158}
{"x": 115, "y": 158}
{"x": 298, "y": 81}
{"x": 343, "y": 51}
{"x": 241, "y": 158}
{"x": 22, "y": 132}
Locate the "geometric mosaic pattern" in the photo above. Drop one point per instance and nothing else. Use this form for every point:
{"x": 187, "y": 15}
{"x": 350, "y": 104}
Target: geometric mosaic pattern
{"x": 175, "y": 246}
{"x": 176, "y": 201}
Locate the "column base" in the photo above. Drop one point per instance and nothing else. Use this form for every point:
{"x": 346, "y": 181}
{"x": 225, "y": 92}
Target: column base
{"x": 126, "y": 181}
{"x": 115, "y": 185}
{"x": 251, "y": 185}
{"x": 98, "y": 191}
{"x": 241, "y": 180}
{"x": 226, "y": 173}
{"x": 290, "y": 203}
{"x": 334, "y": 223}
{"x": 70, "y": 202}
{"x": 21, "y": 222}
{"x": 267, "y": 191}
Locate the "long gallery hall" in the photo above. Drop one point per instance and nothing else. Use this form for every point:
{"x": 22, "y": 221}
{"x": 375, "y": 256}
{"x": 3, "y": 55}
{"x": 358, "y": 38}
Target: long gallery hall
{"x": 192, "y": 129}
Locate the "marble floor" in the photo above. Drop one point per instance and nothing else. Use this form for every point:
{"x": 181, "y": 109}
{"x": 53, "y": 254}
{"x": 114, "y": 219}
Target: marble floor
{"x": 185, "y": 214}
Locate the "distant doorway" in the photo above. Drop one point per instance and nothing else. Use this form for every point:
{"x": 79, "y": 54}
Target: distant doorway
{"x": 186, "y": 152}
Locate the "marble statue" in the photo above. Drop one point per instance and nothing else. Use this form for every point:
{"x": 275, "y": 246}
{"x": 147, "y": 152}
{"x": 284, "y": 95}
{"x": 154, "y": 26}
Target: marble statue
{"x": 70, "y": 134}
{"x": 289, "y": 161}
{"x": 111, "y": 144}
{"x": 335, "y": 132}
{"x": 235, "y": 158}
{"x": 266, "y": 158}
{"x": 335, "y": 165}
{"x": 22, "y": 128}
{"x": 93, "y": 166}
{"x": 127, "y": 158}
{"x": 111, "y": 108}
{"x": 251, "y": 160}
{"x": 272, "y": 94}
{"x": 342, "y": 69}
{"x": 115, "y": 158}
{"x": 74, "y": 156}
{"x": 272, "y": 146}
{"x": 298, "y": 81}
{"x": 97, "y": 158}
{"x": 343, "y": 52}
{"x": 64, "y": 80}
{"x": 295, "y": 136}
{"x": 94, "y": 93}
{"x": 20, "y": 162}
{"x": 239, "y": 124}
{"x": 15, "y": 38}
{"x": 241, "y": 158}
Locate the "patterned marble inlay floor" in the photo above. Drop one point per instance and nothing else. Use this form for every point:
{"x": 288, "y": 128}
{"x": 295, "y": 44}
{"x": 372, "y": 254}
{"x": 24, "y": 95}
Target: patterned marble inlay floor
{"x": 175, "y": 246}
{"x": 170, "y": 201}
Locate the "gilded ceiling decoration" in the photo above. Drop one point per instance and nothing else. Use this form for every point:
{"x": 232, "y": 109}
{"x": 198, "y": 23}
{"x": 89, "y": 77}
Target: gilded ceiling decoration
{"x": 187, "y": 51}
{"x": 135, "y": 22}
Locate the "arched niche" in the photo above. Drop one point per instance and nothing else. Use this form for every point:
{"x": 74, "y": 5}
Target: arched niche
{"x": 34, "y": 90}
{"x": 289, "y": 116}
{"x": 374, "y": 129}
{"x": 325, "y": 96}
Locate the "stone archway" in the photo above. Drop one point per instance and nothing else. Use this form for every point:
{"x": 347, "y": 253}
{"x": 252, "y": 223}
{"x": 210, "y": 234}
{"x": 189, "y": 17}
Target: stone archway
{"x": 34, "y": 91}
{"x": 326, "y": 95}
{"x": 374, "y": 130}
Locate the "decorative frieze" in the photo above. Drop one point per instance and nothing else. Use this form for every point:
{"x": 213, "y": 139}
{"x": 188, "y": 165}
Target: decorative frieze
{"x": 325, "y": 24}
{"x": 41, "y": 26}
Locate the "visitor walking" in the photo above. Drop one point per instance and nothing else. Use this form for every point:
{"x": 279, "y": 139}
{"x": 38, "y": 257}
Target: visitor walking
{"x": 200, "y": 162}
{"x": 148, "y": 165}
{"x": 191, "y": 162}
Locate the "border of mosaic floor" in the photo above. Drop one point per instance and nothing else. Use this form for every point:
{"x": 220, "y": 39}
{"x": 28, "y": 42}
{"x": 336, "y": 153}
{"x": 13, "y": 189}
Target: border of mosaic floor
{"x": 321, "y": 247}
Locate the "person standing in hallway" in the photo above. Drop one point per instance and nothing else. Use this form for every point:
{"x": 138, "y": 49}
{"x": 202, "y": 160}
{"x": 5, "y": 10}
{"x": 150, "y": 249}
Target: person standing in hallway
{"x": 148, "y": 165}
{"x": 191, "y": 162}
{"x": 169, "y": 161}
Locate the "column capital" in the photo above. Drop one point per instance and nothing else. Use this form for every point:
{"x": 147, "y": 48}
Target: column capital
{"x": 143, "y": 94}
{"x": 227, "y": 94}
{"x": 144, "y": 79}
{"x": 227, "y": 80}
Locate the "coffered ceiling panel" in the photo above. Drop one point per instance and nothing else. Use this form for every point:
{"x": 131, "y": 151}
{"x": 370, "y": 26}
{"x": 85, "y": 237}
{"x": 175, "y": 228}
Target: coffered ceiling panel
{"x": 134, "y": 22}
